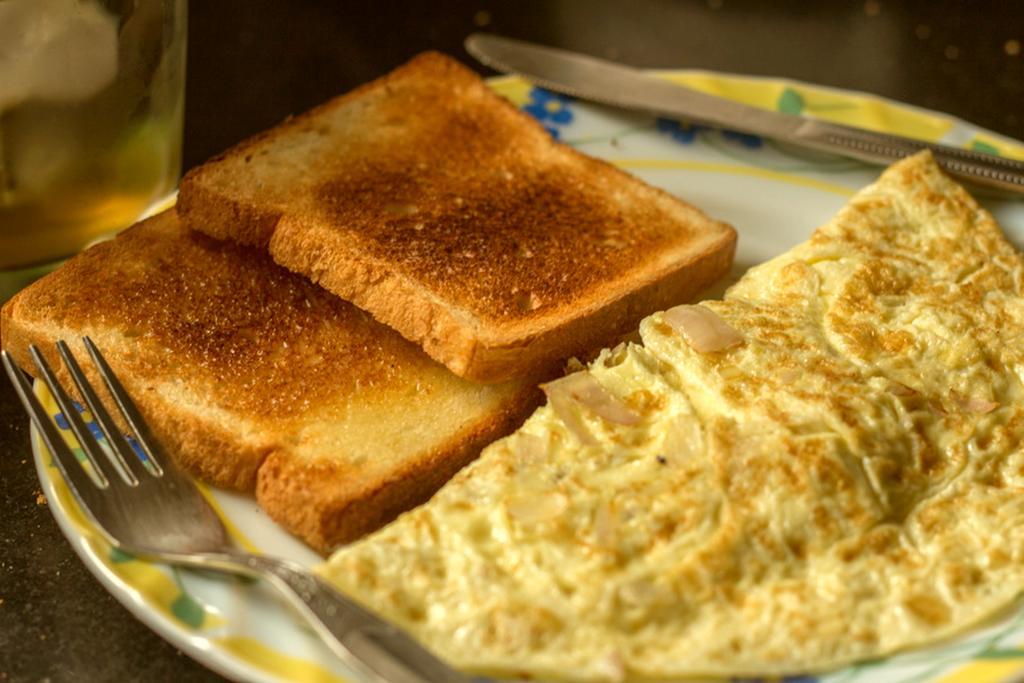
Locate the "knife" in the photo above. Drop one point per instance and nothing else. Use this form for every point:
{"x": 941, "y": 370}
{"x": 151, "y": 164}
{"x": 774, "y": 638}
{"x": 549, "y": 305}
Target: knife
{"x": 590, "y": 78}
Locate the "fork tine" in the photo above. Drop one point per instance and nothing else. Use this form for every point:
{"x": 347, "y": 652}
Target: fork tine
{"x": 124, "y": 458}
{"x": 75, "y": 475}
{"x": 131, "y": 414}
{"x": 85, "y": 439}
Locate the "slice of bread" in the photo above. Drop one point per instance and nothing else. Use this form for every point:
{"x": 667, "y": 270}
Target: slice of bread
{"x": 256, "y": 379}
{"x": 437, "y": 206}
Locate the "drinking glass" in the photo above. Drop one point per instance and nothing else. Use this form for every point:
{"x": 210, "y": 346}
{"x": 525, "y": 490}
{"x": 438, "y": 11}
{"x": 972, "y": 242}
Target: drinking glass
{"x": 91, "y": 103}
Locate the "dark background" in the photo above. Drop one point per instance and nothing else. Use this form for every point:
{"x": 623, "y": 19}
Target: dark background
{"x": 253, "y": 62}
{"x": 251, "y": 67}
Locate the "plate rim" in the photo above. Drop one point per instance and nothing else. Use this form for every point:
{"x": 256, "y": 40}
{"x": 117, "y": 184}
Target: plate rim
{"x": 208, "y": 653}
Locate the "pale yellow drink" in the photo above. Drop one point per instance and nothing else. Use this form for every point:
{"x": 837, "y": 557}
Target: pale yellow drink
{"x": 91, "y": 100}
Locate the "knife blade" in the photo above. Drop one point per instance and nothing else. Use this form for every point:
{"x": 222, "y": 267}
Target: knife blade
{"x": 598, "y": 80}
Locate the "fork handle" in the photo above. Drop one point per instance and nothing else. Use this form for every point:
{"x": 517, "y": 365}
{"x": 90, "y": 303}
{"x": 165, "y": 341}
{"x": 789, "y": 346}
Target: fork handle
{"x": 369, "y": 644}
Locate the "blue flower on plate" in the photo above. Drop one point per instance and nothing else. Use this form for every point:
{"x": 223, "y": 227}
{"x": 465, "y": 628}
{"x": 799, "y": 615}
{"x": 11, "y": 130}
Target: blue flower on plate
{"x": 96, "y": 431}
{"x": 747, "y": 140}
{"x": 551, "y": 109}
{"x": 683, "y": 133}
{"x": 63, "y": 423}
{"x": 686, "y": 133}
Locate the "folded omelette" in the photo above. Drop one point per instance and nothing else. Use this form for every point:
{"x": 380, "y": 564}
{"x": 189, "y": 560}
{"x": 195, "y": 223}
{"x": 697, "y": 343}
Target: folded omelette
{"x": 823, "y": 467}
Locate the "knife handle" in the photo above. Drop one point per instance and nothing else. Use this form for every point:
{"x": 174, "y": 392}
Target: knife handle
{"x": 981, "y": 169}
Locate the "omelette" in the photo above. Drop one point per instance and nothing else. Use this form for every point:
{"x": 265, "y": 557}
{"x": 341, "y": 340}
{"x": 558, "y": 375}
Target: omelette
{"x": 824, "y": 466}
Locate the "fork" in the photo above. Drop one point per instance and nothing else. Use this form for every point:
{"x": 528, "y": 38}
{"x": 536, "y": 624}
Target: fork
{"x": 144, "y": 505}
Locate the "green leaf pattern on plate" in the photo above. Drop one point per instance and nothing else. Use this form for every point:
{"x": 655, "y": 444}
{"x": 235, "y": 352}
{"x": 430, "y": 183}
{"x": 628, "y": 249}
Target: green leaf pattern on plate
{"x": 790, "y": 102}
{"x": 117, "y": 556}
{"x": 188, "y": 611}
{"x": 981, "y": 146}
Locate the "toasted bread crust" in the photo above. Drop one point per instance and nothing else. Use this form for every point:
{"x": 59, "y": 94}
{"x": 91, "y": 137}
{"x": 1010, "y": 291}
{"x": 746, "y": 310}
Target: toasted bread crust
{"x": 239, "y": 365}
{"x": 400, "y": 302}
{"x": 446, "y": 337}
{"x": 465, "y": 227}
{"x": 254, "y": 224}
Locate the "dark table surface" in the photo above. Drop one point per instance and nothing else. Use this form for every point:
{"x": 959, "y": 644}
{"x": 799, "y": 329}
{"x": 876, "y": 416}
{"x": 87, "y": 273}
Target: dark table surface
{"x": 253, "y": 62}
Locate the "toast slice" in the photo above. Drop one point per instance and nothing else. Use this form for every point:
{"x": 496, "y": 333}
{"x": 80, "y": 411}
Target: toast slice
{"x": 434, "y": 204}
{"x": 256, "y": 379}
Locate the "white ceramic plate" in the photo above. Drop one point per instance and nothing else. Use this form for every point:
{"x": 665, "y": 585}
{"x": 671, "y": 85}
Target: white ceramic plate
{"x": 774, "y": 196}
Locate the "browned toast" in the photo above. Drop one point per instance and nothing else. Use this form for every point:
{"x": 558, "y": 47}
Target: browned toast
{"x": 256, "y": 379}
{"x": 434, "y": 204}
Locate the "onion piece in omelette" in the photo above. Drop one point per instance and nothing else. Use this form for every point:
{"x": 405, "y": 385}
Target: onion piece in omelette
{"x": 844, "y": 482}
